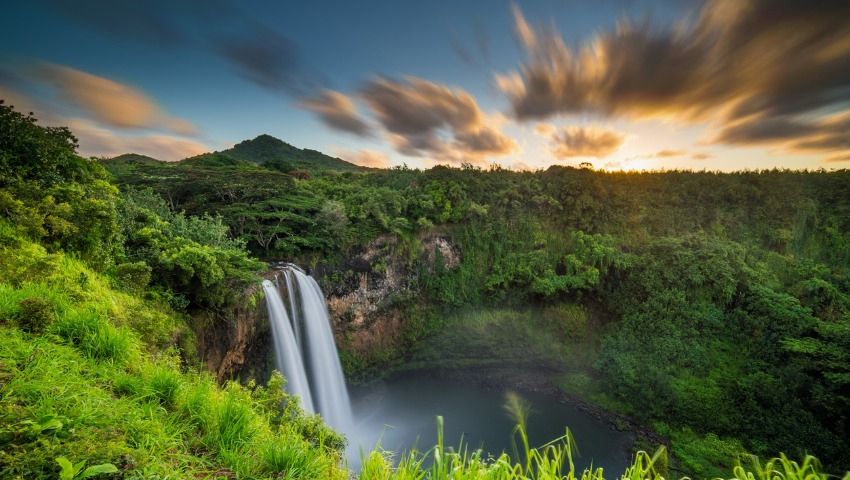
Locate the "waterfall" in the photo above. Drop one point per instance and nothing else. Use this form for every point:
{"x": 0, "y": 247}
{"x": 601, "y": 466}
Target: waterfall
{"x": 285, "y": 348}
{"x": 325, "y": 370}
{"x": 314, "y": 347}
{"x": 293, "y": 306}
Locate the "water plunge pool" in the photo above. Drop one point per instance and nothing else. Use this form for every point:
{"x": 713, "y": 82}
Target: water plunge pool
{"x": 401, "y": 414}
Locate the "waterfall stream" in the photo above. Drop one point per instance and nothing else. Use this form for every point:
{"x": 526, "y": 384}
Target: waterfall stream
{"x": 304, "y": 342}
{"x": 287, "y": 355}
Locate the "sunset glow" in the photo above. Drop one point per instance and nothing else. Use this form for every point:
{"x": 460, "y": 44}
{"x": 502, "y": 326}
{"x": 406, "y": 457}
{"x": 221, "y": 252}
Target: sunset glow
{"x": 648, "y": 84}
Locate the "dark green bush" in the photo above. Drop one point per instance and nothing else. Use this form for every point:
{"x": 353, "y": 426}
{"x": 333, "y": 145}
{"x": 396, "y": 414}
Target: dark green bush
{"x": 36, "y": 314}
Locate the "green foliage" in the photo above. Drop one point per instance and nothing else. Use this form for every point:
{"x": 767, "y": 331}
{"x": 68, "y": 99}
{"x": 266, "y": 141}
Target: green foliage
{"x": 294, "y": 460}
{"x": 190, "y": 256}
{"x": 722, "y": 298}
{"x": 35, "y": 314}
{"x": 72, "y": 471}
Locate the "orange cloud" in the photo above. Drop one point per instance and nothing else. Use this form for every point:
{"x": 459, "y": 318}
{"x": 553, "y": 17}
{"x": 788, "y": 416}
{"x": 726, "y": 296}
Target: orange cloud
{"x": 96, "y": 141}
{"x": 669, "y": 153}
{"x": 363, "y": 157}
{"x": 760, "y": 71}
{"x": 545, "y": 129}
{"x": 109, "y": 102}
{"x": 425, "y": 119}
{"x": 837, "y": 158}
{"x": 337, "y": 111}
{"x": 586, "y": 142}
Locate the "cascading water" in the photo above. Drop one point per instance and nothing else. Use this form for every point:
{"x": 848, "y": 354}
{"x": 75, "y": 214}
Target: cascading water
{"x": 315, "y": 347}
{"x": 326, "y": 375}
{"x": 293, "y": 306}
{"x": 286, "y": 349}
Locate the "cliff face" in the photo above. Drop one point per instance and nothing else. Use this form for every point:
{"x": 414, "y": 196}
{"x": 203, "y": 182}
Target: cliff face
{"x": 367, "y": 294}
{"x": 236, "y": 344}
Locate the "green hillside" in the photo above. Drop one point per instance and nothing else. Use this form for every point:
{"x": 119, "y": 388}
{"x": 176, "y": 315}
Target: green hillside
{"x": 132, "y": 158}
{"x": 269, "y": 150}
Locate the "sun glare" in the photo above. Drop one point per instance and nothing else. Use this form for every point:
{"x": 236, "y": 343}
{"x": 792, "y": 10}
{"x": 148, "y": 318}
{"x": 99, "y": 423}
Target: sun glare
{"x": 629, "y": 165}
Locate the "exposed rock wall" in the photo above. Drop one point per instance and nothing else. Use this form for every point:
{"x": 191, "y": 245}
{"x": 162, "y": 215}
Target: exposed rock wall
{"x": 368, "y": 297}
{"x": 235, "y": 344}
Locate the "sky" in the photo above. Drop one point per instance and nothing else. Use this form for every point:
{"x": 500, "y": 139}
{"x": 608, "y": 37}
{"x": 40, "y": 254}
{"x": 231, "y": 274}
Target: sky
{"x": 718, "y": 85}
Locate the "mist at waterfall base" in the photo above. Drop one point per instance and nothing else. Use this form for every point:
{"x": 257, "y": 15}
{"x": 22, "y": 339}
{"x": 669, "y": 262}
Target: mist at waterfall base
{"x": 401, "y": 413}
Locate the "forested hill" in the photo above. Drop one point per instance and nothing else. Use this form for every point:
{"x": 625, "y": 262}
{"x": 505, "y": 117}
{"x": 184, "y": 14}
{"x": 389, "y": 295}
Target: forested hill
{"x": 265, "y": 149}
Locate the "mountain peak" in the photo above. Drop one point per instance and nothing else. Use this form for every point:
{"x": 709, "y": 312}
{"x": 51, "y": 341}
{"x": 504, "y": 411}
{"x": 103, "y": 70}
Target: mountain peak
{"x": 266, "y": 148}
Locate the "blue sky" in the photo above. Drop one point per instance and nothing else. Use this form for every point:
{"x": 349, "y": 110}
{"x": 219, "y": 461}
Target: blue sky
{"x": 622, "y": 84}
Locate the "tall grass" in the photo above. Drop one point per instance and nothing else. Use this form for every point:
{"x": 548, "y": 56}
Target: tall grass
{"x": 87, "y": 330}
{"x": 292, "y": 459}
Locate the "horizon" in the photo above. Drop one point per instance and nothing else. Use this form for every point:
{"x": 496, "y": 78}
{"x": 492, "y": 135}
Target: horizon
{"x": 637, "y": 85}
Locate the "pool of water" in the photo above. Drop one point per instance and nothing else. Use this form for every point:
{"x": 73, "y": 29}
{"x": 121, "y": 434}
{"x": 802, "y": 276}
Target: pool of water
{"x": 401, "y": 414}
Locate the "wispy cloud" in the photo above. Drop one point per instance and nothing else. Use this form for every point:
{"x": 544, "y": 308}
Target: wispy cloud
{"x": 666, "y": 153}
{"x": 107, "y": 117}
{"x": 837, "y": 158}
{"x": 110, "y": 102}
{"x": 426, "y": 119}
{"x": 363, "y": 157}
{"x": 339, "y": 112}
{"x": 257, "y": 51}
{"x": 759, "y": 70}
{"x": 589, "y": 141}
{"x": 98, "y": 141}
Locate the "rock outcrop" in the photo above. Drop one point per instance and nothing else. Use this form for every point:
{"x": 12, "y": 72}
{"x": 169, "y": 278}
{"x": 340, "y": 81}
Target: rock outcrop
{"x": 368, "y": 295}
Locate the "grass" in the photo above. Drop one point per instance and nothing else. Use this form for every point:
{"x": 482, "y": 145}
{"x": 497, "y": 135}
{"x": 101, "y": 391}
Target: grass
{"x": 95, "y": 382}
{"x": 553, "y": 461}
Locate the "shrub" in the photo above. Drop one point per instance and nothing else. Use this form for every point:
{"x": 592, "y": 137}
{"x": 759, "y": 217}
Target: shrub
{"x": 36, "y": 314}
{"x": 133, "y": 276}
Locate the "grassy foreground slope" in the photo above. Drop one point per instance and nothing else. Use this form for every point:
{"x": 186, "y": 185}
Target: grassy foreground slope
{"x": 80, "y": 381}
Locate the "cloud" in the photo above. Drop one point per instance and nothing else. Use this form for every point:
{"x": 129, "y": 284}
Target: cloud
{"x": 363, "y": 157}
{"x": 837, "y": 158}
{"x": 666, "y": 153}
{"x": 338, "y": 111}
{"x": 98, "y": 141}
{"x": 753, "y": 67}
{"x": 267, "y": 58}
{"x": 96, "y": 138}
{"x": 149, "y": 21}
{"x": 701, "y": 156}
{"x": 586, "y": 142}
{"x": 520, "y": 166}
{"x": 107, "y": 101}
{"x": 258, "y": 52}
{"x": 524, "y": 33}
{"x": 545, "y": 129}
{"x": 669, "y": 153}
{"x": 461, "y": 51}
{"x": 425, "y": 119}
{"x": 795, "y": 135}
{"x": 481, "y": 54}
